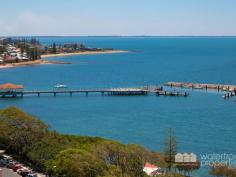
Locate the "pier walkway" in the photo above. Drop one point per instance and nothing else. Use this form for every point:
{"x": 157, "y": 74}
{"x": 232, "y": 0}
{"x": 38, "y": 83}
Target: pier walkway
{"x": 230, "y": 90}
{"x": 109, "y": 92}
{"x": 218, "y": 87}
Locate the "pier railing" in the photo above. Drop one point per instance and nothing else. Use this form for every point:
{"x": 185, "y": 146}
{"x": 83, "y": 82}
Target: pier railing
{"x": 111, "y": 91}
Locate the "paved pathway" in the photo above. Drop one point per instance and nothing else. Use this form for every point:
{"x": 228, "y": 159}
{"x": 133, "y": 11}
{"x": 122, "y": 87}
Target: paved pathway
{"x": 8, "y": 173}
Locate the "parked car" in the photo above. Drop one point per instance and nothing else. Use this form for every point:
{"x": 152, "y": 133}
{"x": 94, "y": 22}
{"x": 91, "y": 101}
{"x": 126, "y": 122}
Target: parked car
{"x": 16, "y": 166}
{"x": 10, "y": 163}
{"x": 5, "y": 160}
{"x": 24, "y": 171}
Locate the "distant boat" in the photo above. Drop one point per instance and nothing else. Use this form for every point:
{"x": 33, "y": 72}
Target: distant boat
{"x": 198, "y": 87}
{"x": 58, "y": 86}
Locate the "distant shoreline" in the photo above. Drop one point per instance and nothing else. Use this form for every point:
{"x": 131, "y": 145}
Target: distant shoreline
{"x": 30, "y": 63}
{"x": 83, "y": 53}
{"x": 42, "y": 61}
{"x": 100, "y": 36}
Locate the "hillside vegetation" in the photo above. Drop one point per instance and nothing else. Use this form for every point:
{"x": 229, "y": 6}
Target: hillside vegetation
{"x": 30, "y": 140}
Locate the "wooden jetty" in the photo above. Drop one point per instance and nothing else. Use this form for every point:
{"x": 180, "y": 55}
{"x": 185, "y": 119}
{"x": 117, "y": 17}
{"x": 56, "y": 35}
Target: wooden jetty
{"x": 120, "y": 91}
{"x": 218, "y": 87}
{"x": 171, "y": 93}
{"x": 229, "y": 89}
{"x": 13, "y": 91}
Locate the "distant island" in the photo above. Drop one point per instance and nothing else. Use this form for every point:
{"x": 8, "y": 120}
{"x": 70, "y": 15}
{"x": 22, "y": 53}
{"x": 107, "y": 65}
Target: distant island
{"x": 22, "y": 52}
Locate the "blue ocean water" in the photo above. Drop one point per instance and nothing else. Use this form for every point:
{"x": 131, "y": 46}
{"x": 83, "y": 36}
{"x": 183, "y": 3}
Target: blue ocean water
{"x": 204, "y": 122}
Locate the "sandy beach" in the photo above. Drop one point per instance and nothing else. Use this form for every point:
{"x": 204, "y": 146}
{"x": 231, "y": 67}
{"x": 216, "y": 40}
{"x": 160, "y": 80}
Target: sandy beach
{"x": 11, "y": 65}
{"x": 84, "y": 53}
{"x": 29, "y": 63}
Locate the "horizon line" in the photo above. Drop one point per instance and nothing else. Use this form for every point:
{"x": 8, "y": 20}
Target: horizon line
{"x": 118, "y": 36}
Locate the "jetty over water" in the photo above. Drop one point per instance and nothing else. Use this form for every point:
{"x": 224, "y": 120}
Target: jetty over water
{"x": 14, "y": 91}
{"x": 229, "y": 89}
{"x": 218, "y": 87}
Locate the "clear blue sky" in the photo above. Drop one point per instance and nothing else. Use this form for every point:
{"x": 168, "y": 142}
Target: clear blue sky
{"x": 118, "y": 17}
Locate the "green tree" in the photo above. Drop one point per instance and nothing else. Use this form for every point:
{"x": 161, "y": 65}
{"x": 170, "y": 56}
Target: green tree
{"x": 19, "y": 131}
{"x": 170, "y": 148}
{"x": 54, "y": 48}
{"x": 130, "y": 159}
{"x": 2, "y": 48}
{"x": 76, "y": 163}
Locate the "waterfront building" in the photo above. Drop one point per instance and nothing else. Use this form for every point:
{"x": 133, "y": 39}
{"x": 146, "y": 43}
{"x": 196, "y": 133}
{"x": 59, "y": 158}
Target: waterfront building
{"x": 9, "y": 87}
{"x": 152, "y": 170}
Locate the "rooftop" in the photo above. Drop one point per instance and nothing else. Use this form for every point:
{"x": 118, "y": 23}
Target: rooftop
{"x": 11, "y": 86}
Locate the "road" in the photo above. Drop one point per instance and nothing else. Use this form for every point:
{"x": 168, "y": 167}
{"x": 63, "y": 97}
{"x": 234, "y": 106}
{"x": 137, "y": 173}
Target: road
{"x": 8, "y": 173}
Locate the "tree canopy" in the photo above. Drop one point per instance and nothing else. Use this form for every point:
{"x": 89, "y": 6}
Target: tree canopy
{"x": 29, "y": 139}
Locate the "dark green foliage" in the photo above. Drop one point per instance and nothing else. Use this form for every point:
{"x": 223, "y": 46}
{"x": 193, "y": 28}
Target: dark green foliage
{"x": 170, "y": 148}
{"x": 2, "y": 48}
{"x": 76, "y": 162}
{"x": 29, "y": 139}
{"x": 19, "y": 131}
{"x": 54, "y": 48}
{"x": 33, "y": 52}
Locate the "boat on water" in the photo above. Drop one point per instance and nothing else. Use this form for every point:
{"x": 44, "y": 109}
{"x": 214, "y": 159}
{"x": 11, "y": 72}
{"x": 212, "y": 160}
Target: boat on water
{"x": 60, "y": 86}
{"x": 198, "y": 87}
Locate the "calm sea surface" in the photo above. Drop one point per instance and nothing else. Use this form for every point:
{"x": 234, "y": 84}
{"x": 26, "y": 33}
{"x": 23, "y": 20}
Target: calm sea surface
{"x": 204, "y": 122}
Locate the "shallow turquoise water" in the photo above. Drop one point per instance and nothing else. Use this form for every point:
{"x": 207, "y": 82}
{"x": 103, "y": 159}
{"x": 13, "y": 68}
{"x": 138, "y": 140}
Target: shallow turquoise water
{"x": 204, "y": 122}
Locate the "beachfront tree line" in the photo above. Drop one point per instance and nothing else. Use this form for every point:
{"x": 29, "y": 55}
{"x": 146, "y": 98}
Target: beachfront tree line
{"x": 70, "y": 47}
{"x": 34, "y": 49}
{"x": 30, "y": 46}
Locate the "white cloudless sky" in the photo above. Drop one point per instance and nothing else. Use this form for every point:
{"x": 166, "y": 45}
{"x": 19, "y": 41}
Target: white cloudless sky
{"x": 113, "y": 17}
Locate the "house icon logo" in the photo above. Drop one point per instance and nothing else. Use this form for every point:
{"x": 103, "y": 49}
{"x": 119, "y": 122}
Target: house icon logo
{"x": 185, "y": 158}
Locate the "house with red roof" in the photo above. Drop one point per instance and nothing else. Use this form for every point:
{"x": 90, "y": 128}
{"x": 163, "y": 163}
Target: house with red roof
{"x": 151, "y": 169}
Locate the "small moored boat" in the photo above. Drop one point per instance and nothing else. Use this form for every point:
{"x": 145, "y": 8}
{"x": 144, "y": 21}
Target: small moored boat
{"x": 58, "y": 86}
